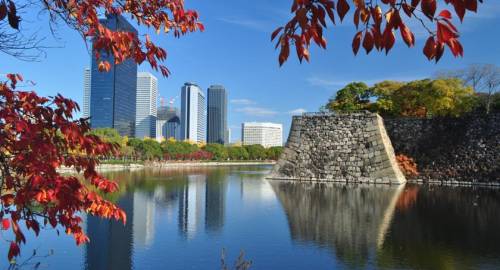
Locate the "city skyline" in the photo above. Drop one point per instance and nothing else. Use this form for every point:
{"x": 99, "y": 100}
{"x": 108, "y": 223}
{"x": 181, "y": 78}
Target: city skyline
{"x": 260, "y": 90}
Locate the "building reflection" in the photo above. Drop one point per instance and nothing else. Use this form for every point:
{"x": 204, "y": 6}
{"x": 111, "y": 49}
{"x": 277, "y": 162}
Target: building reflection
{"x": 191, "y": 205}
{"x": 350, "y": 220}
{"x": 110, "y": 247}
{"x": 215, "y": 202}
{"x": 198, "y": 199}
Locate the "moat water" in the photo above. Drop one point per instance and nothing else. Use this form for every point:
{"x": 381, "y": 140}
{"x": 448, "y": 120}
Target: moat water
{"x": 184, "y": 219}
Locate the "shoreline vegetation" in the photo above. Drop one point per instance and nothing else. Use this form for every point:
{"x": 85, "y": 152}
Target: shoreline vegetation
{"x": 139, "y": 165}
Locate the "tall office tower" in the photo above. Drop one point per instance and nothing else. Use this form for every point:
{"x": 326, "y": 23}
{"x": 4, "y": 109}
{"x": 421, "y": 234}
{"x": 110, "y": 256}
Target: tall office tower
{"x": 265, "y": 134}
{"x": 86, "y": 93}
{"x": 217, "y": 114}
{"x": 146, "y": 109}
{"x": 168, "y": 123}
{"x": 228, "y": 136}
{"x": 193, "y": 115}
{"x": 113, "y": 93}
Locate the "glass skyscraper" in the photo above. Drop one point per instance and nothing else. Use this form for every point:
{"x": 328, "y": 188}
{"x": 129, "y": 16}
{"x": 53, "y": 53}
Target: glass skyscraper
{"x": 113, "y": 93}
{"x": 217, "y": 115}
{"x": 168, "y": 123}
{"x": 146, "y": 110}
{"x": 86, "y": 93}
{"x": 193, "y": 115}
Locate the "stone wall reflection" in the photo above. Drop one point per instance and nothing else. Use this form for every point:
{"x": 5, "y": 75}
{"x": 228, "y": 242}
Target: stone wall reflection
{"x": 351, "y": 220}
{"x": 445, "y": 228}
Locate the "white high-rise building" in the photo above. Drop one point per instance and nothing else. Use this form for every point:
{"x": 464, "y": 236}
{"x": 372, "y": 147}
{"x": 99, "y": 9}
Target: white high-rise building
{"x": 86, "y": 93}
{"x": 265, "y": 134}
{"x": 146, "y": 102}
{"x": 193, "y": 113}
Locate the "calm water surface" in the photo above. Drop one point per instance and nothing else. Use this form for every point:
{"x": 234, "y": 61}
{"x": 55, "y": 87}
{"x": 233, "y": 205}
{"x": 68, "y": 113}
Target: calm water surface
{"x": 183, "y": 220}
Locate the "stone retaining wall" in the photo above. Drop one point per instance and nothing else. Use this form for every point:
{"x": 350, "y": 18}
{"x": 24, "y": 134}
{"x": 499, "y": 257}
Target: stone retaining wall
{"x": 465, "y": 149}
{"x": 338, "y": 147}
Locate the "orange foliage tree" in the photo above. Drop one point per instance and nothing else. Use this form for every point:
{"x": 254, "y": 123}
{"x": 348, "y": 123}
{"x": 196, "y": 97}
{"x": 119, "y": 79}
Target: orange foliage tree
{"x": 37, "y": 136}
{"x": 377, "y": 22}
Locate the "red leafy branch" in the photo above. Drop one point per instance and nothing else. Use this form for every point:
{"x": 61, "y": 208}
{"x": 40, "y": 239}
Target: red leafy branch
{"x": 161, "y": 15}
{"x": 379, "y": 23}
{"x": 37, "y": 136}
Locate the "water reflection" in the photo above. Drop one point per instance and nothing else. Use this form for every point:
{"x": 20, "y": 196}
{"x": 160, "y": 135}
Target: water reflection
{"x": 186, "y": 217}
{"x": 392, "y": 228}
{"x": 198, "y": 196}
{"x": 444, "y": 228}
{"x": 351, "y": 220}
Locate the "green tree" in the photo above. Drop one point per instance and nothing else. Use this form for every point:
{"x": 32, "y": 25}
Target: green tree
{"x": 428, "y": 98}
{"x": 177, "y": 149}
{"x": 383, "y": 92}
{"x": 353, "y": 97}
{"x": 256, "y": 152}
{"x": 218, "y": 150}
{"x": 146, "y": 149}
{"x": 274, "y": 152}
{"x": 237, "y": 153}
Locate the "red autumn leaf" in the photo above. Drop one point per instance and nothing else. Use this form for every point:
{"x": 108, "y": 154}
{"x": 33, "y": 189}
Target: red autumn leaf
{"x": 407, "y": 35}
{"x": 342, "y": 8}
{"x": 13, "y": 251}
{"x": 455, "y": 47}
{"x": 275, "y": 33}
{"x": 356, "y": 18}
{"x": 428, "y": 8}
{"x": 444, "y": 32}
{"x": 3, "y": 10}
{"x": 439, "y": 51}
{"x": 5, "y": 224}
{"x": 430, "y": 48}
{"x": 356, "y": 42}
{"x": 459, "y": 8}
{"x": 445, "y": 14}
{"x": 471, "y": 5}
{"x": 389, "y": 39}
{"x": 407, "y": 9}
{"x": 285, "y": 51}
{"x": 368, "y": 42}
{"x": 12, "y": 16}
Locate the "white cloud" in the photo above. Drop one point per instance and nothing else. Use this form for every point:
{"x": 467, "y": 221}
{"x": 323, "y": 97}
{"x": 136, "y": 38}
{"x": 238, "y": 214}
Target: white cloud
{"x": 242, "y": 101}
{"x": 297, "y": 111}
{"x": 256, "y": 111}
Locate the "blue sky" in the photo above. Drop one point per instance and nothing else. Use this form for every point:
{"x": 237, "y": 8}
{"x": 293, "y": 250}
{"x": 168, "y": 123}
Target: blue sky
{"x": 235, "y": 51}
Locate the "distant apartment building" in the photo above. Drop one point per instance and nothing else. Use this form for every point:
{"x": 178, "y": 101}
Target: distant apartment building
{"x": 193, "y": 114}
{"x": 113, "y": 93}
{"x": 168, "y": 123}
{"x": 86, "y": 93}
{"x": 265, "y": 134}
{"x": 217, "y": 115}
{"x": 146, "y": 105}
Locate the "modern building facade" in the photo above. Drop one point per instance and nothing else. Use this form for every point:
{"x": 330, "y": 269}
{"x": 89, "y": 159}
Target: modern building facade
{"x": 193, "y": 114}
{"x": 86, "y": 93}
{"x": 265, "y": 134}
{"x": 113, "y": 93}
{"x": 146, "y": 105}
{"x": 217, "y": 114}
{"x": 168, "y": 123}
